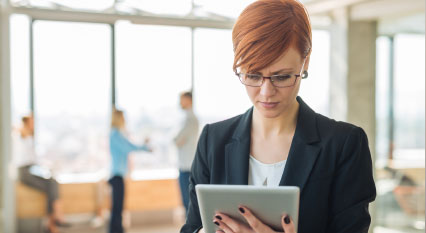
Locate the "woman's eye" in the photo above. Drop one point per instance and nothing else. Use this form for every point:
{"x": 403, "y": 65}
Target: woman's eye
{"x": 253, "y": 76}
{"x": 282, "y": 77}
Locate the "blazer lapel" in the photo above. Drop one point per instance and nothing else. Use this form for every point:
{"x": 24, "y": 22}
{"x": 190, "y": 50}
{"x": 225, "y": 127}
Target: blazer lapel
{"x": 304, "y": 150}
{"x": 237, "y": 152}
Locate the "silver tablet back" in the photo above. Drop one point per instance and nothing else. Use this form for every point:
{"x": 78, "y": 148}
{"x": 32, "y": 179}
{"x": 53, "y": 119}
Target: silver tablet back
{"x": 269, "y": 204}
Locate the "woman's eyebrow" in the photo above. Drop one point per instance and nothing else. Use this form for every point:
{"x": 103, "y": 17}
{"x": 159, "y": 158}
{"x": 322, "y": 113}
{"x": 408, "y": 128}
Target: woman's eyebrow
{"x": 289, "y": 70}
{"x": 282, "y": 70}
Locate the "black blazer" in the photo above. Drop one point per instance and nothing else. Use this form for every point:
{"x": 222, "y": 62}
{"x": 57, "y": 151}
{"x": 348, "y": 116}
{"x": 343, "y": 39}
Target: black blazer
{"x": 328, "y": 160}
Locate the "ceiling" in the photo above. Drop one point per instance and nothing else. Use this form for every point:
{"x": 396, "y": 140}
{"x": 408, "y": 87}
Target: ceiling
{"x": 392, "y": 15}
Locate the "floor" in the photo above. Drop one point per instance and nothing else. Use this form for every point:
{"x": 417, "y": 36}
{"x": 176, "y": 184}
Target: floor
{"x": 168, "y": 228}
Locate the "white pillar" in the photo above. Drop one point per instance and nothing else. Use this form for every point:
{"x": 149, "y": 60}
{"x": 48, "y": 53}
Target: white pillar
{"x": 7, "y": 187}
{"x": 361, "y": 84}
{"x": 361, "y": 81}
{"x": 353, "y": 75}
{"x": 338, "y": 64}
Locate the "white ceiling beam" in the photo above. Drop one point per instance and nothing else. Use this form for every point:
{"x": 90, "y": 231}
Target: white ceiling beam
{"x": 413, "y": 24}
{"x": 318, "y": 21}
{"x": 380, "y": 9}
{"x": 110, "y": 18}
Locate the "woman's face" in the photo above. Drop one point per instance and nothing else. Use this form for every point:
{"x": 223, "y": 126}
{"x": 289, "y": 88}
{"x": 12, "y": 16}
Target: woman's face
{"x": 271, "y": 101}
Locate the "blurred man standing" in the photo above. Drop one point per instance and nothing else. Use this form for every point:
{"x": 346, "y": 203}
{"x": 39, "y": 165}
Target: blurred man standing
{"x": 186, "y": 142}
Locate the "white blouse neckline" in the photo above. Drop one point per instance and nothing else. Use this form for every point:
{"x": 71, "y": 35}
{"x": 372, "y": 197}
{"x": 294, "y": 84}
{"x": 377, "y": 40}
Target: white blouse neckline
{"x": 264, "y": 174}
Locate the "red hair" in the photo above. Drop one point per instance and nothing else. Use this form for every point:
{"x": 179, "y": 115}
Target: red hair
{"x": 266, "y": 29}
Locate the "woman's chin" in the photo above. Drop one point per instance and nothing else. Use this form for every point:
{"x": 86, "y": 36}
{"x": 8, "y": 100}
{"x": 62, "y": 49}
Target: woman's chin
{"x": 269, "y": 113}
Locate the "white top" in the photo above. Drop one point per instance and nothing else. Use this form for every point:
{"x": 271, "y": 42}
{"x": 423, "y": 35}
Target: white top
{"x": 23, "y": 150}
{"x": 189, "y": 135}
{"x": 263, "y": 174}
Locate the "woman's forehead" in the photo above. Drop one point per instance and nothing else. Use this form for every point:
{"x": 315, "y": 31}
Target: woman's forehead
{"x": 288, "y": 61}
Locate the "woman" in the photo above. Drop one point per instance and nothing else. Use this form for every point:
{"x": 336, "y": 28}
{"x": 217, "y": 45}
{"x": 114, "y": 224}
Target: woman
{"x": 120, "y": 148}
{"x": 37, "y": 177}
{"x": 329, "y": 161}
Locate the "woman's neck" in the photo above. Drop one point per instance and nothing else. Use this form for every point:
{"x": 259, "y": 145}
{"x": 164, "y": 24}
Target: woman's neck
{"x": 270, "y": 127}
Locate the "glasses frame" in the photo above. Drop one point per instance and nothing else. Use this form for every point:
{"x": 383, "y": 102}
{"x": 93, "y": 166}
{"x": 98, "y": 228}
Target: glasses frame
{"x": 301, "y": 74}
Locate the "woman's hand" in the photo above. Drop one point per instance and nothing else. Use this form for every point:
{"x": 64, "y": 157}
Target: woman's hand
{"x": 228, "y": 225}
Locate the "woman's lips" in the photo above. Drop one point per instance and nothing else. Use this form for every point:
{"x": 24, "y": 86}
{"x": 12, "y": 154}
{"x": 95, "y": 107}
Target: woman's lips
{"x": 269, "y": 105}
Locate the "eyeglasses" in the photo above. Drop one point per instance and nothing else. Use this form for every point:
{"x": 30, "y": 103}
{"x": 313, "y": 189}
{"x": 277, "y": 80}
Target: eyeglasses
{"x": 279, "y": 80}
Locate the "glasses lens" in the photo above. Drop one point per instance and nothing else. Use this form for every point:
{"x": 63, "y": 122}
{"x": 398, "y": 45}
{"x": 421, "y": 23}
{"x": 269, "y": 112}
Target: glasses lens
{"x": 283, "y": 80}
{"x": 251, "y": 79}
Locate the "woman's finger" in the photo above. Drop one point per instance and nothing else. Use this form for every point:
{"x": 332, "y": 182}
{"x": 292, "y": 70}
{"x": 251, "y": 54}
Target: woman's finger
{"x": 222, "y": 226}
{"x": 288, "y": 224}
{"x": 253, "y": 221}
{"x": 230, "y": 222}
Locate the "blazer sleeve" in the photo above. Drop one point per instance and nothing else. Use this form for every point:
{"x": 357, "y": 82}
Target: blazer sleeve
{"x": 353, "y": 186}
{"x": 200, "y": 174}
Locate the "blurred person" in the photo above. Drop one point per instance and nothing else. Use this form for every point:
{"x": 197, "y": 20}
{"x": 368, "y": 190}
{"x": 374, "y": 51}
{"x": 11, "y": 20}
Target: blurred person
{"x": 186, "y": 142}
{"x": 32, "y": 174}
{"x": 120, "y": 147}
{"x": 281, "y": 141}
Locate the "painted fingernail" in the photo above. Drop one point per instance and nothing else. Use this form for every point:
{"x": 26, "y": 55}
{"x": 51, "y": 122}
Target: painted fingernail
{"x": 287, "y": 220}
{"x": 218, "y": 217}
{"x": 241, "y": 210}
{"x": 216, "y": 223}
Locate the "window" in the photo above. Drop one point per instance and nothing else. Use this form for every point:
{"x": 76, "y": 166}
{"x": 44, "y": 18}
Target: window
{"x": 400, "y": 178}
{"x": 153, "y": 68}
{"x": 72, "y": 96}
{"x": 315, "y": 89}
{"x": 20, "y": 73}
{"x": 409, "y": 98}
{"x": 218, "y": 94}
{"x": 382, "y": 100}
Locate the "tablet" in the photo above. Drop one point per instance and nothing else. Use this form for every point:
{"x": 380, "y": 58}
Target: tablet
{"x": 266, "y": 203}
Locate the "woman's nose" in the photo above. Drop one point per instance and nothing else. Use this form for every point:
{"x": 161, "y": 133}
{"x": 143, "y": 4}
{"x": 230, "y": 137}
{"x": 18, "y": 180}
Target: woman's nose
{"x": 267, "y": 89}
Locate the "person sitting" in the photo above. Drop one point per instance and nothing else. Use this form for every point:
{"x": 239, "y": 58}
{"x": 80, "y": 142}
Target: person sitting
{"x": 30, "y": 173}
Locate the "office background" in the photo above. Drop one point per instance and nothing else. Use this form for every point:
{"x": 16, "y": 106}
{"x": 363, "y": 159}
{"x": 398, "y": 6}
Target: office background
{"x": 70, "y": 62}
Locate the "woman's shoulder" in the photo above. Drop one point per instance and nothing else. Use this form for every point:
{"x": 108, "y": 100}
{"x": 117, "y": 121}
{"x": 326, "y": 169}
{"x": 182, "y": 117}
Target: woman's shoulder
{"x": 223, "y": 130}
{"x": 330, "y": 128}
{"x": 230, "y": 122}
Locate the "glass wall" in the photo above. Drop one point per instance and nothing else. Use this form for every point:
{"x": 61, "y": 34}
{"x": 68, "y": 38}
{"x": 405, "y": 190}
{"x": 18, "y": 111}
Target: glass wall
{"x": 72, "y": 83}
{"x": 409, "y": 98}
{"x": 400, "y": 165}
{"x": 153, "y": 65}
{"x": 315, "y": 89}
{"x": 153, "y": 68}
{"x": 20, "y": 67}
{"x": 218, "y": 92}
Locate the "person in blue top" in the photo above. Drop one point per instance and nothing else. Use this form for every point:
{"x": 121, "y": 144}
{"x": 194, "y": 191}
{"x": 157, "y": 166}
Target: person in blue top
{"x": 120, "y": 147}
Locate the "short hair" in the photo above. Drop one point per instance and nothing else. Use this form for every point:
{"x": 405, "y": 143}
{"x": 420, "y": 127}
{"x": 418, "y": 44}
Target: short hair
{"x": 266, "y": 29}
{"x": 26, "y": 119}
{"x": 187, "y": 94}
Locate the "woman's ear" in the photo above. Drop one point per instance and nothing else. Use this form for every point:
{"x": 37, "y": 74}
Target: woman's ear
{"x": 307, "y": 59}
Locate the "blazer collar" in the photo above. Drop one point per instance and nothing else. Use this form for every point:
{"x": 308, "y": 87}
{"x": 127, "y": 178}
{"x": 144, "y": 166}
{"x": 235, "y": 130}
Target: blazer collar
{"x": 302, "y": 155}
{"x": 238, "y": 150}
{"x": 304, "y": 149}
